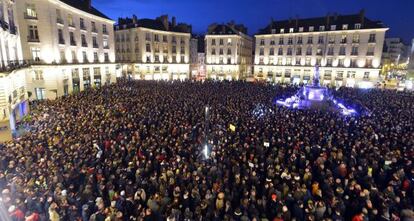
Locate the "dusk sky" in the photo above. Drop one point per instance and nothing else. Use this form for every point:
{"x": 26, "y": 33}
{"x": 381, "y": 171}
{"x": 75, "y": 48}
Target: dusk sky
{"x": 398, "y": 15}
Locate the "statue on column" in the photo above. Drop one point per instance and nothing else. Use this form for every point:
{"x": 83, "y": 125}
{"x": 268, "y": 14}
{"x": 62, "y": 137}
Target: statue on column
{"x": 316, "y": 76}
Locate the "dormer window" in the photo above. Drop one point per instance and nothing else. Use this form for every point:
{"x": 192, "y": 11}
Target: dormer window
{"x": 345, "y": 27}
{"x": 273, "y": 31}
{"x": 282, "y": 30}
{"x": 358, "y": 26}
{"x": 291, "y": 30}
{"x": 311, "y": 28}
{"x": 333, "y": 27}
{"x": 322, "y": 28}
{"x": 300, "y": 29}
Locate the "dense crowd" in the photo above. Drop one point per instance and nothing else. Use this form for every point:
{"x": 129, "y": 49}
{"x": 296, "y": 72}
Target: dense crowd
{"x": 134, "y": 151}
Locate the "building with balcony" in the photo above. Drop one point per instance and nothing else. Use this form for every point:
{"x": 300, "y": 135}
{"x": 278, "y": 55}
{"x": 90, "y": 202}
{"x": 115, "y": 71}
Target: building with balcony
{"x": 153, "y": 49}
{"x": 13, "y": 88}
{"x": 68, "y": 44}
{"x": 347, "y": 48}
{"x": 228, "y": 52}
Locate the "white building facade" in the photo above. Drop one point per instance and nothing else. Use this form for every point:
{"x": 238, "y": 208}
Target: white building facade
{"x": 228, "y": 51}
{"x": 69, "y": 45}
{"x": 347, "y": 49}
{"x": 13, "y": 88}
{"x": 153, "y": 49}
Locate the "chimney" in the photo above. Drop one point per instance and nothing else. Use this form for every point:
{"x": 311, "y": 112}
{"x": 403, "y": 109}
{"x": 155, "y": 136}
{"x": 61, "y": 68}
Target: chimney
{"x": 134, "y": 19}
{"x": 164, "y": 21}
{"x": 231, "y": 24}
{"x": 328, "y": 19}
{"x": 121, "y": 21}
{"x": 362, "y": 16}
{"x": 296, "y": 21}
{"x": 88, "y": 3}
{"x": 211, "y": 27}
{"x": 174, "y": 21}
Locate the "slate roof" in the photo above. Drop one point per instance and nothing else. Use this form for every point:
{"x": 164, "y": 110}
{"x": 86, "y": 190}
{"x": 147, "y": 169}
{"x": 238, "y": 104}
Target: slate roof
{"x": 326, "y": 21}
{"x": 225, "y": 29}
{"x": 83, "y": 5}
{"x": 155, "y": 24}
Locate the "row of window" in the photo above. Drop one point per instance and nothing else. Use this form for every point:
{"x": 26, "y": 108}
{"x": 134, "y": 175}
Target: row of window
{"x": 213, "y": 51}
{"x": 319, "y": 51}
{"x": 84, "y": 43}
{"x": 31, "y": 13}
{"x": 120, "y": 37}
{"x": 320, "y": 40}
{"x": 227, "y": 42}
{"x": 312, "y": 28}
{"x": 157, "y": 59}
{"x": 36, "y": 56}
{"x": 34, "y": 37}
{"x": 307, "y": 62}
{"x": 149, "y": 49}
{"x": 307, "y": 74}
{"x": 87, "y": 80}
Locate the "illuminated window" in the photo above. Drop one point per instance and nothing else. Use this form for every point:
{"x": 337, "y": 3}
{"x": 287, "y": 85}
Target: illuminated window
{"x": 40, "y": 93}
{"x": 345, "y": 27}
{"x": 70, "y": 21}
{"x": 358, "y": 26}
{"x": 36, "y": 54}
{"x": 31, "y": 11}
{"x": 38, "y": 75}
{"x": 105, "y": 43}
{"x": 355, "y": 38}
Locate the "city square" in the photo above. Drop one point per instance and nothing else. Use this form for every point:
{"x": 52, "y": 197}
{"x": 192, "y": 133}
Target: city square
{"x": 304, "y": 118}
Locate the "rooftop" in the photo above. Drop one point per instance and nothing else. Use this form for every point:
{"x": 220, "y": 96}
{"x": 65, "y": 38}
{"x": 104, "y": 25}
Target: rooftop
{"x": 339, "y": 20}
{"x": 160, "y": 23}
{"x": 227, "y": 29}
{"x": 85, "y": 5}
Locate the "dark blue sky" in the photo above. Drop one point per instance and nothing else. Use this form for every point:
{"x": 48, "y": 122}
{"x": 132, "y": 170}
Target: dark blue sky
{"x": 398, "y": 15}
